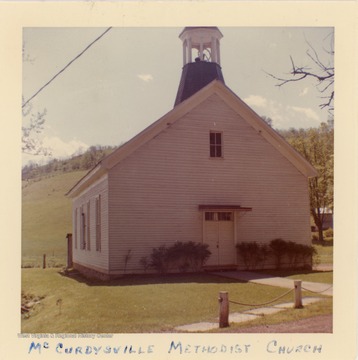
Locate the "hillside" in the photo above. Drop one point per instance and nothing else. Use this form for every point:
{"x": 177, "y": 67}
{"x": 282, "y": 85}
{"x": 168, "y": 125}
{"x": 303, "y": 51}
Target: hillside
{"x": 46, "y": 217}
{"x": 46, "y": 211}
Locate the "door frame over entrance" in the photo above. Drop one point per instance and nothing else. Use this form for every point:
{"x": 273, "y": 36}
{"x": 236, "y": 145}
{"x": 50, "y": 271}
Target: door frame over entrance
{"x": 225, "y": 210}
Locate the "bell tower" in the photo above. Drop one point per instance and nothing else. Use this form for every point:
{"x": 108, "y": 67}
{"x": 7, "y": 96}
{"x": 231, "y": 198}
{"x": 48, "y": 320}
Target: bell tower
{"x": 201, "y": 60}
{"x": 204, "y": 40}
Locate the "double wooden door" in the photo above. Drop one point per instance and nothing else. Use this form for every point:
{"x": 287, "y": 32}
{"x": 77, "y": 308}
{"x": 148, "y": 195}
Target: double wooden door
{"x": 219, "y": 235}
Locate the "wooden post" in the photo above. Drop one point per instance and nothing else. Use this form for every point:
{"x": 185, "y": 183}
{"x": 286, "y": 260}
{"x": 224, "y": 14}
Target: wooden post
{"x": 224, "y": 309}
{"x": 44, "y": 261}
{"x": 298, "y": 294}
{"x": 69, "y": 251}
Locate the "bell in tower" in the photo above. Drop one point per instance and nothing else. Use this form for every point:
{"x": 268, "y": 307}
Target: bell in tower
{"x": 204, "y": 40}
{"x": 201, "y": 60}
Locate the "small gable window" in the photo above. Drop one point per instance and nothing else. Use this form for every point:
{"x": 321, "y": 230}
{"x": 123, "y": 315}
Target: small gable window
{"x": 215, "y": 144}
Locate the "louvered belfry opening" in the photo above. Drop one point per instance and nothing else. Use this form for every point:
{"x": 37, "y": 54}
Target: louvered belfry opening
{"x": 201, "y": 60}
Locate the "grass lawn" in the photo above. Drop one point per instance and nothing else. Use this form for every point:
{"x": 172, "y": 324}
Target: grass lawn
{"x": 324, "y": 254}
{"x": 323, "y": 307}
{"x": 325, "y": 277}
{"x": 136, "y": 304}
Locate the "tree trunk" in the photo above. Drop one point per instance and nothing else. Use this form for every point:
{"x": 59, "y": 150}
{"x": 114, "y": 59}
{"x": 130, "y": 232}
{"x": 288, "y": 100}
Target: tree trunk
{"x": 318, "y": 220}
{"x": 320, "y": 234}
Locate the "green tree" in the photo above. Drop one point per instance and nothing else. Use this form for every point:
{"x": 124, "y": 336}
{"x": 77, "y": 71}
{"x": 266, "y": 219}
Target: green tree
{"x": 32, "y": 123}
{"x": 316, "y": 145}
{"x": 93, "y": 155}
{"x": 32, "y": 126}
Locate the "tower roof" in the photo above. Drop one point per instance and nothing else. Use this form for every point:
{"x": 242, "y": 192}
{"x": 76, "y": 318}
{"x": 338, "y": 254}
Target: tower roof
{"x": 195, "y": 76}
{"x": 205, "y": 41}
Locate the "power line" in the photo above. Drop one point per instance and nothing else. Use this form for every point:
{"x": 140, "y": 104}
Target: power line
{"x": 61, "y": 71}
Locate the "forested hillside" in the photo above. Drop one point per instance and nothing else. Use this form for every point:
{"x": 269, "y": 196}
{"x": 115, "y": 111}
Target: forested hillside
{"x": 83, "y": 161}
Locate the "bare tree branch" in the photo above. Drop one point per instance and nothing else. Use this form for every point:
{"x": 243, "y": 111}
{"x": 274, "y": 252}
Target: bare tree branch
{"x": 322, "y": 73}
{"x": 32, "y": 124}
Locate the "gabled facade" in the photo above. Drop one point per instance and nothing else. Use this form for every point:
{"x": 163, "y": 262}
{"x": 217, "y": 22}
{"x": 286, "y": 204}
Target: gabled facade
{"x": 209, "y": 171}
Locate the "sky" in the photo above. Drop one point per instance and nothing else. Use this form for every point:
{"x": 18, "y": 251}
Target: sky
{"x": 129, "y": 78}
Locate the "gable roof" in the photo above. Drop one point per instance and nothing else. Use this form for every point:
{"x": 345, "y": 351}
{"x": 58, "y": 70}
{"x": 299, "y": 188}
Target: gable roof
{"x": 231, "y": 99}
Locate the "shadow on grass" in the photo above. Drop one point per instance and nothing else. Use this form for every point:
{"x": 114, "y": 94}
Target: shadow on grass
{"x": 152, "y": 279}
{"x": 285, "y": 273}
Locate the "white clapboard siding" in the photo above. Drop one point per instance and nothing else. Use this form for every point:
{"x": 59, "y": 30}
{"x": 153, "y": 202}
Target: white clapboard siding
{"x": 155, "y": 191}
{"x": 90, "y": 257}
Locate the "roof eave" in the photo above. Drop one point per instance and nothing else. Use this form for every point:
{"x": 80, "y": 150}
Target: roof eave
{"x": 156, "y": 128}
{"x": 137, "y": 141}
{"x": 93, "y": 175}
{"x": 266, "y": 131}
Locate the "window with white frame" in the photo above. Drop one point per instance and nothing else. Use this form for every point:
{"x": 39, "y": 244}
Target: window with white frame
{"x": 88, "y": 234}
{"x": 218, "y": 216}
{"x": 83, "y": 230}
{"x": 98, "y": 223}
{"x": 75, "y": 226}
{"x": 216, "y": 144}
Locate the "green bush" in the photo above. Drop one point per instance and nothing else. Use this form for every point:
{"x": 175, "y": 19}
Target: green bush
{"x": 145, "y": 263}
{"x": 315, "y": 239}
{"x": 279, "y": 248}
{"x": 328, "y": 233}
{"x": 297, "y": 254}
{"x": 328, "y": 237}
{"x": 306, "y": 251}
{"x": 159, "y": 259}
{"x": 292, "y": 252}
{"x": 181, "y": 256}
{"x": 252, "y": 254}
